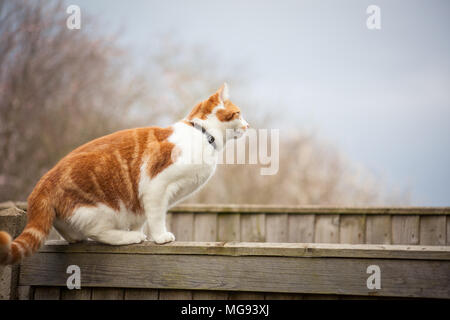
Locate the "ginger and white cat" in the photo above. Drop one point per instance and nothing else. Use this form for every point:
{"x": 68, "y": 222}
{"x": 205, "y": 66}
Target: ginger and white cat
{"x": 108, "y": 188}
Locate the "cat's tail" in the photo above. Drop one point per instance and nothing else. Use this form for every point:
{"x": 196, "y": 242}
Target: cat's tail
{"x": 40, "y": 220}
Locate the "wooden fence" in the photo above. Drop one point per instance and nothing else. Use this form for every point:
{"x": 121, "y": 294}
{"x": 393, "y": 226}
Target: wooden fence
{"x": 250, "y": 252}
{"x": 214, "y": 270}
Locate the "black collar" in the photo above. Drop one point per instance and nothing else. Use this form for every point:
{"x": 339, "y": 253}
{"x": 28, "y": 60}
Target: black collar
{"x": 209, "y": 136}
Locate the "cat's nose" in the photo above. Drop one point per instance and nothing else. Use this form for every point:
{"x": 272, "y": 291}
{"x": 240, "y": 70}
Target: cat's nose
{"x": 247, "y": 126}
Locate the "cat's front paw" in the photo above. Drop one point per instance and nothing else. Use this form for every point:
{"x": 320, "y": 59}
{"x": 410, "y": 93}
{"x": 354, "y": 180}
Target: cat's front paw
{"x": 164, "y": 238}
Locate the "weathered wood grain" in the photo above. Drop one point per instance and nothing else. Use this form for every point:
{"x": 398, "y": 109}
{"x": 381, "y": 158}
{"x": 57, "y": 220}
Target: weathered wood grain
{"x": 277, "y": 228}
{"x": 107, "y": 293}
{"x": 182, "y": 226}
{"x": 283, "y": 296}
{"x": 326, "y": 229}
{"x": 352, "y": 229}
{"x": 310, "y": 209}
{"x": 448, "y": 230}
{"x": 175, "y": 295}
{"x": 253, "y": 227}
{"x": 400, "y": 277}
{"x": 301, "y": 228}
{"x": 76, "y": 294}
{"x": 205, "y": 227}
{"x": 46, "y": 293}
{"x": 229, "y": 227}
{"x": 246, "y": 296}
{"x": 141, "y": 294}
{"x": 378, "y": 229}
{"x": 432, "y": 230}
{"x": 209, "y": 295}
{"x": 405, "y": 229}
{"x": 25, "y": 293}
{"x": 259, "y": 249}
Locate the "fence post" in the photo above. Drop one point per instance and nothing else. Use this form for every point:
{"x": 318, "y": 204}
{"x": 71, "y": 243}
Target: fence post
{"x": 12, "y": 220}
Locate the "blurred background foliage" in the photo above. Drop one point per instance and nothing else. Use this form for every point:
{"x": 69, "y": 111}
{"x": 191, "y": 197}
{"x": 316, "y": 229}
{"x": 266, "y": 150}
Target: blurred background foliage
{"x": 60, "y": 88}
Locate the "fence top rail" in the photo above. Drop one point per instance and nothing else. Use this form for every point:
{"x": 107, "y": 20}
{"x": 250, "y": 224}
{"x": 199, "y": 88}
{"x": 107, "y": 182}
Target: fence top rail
{"x": 291, "y": 209}
{"x": 307, "y": 250}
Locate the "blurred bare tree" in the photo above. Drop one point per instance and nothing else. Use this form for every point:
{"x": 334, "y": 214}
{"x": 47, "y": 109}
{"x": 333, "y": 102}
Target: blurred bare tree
{"x": 60, "y": 88}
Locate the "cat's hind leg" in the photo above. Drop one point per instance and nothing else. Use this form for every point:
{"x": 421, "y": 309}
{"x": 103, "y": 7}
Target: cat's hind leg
{"x": 67, "y": 232}
{"x": 119, "y": 237}
{"x": 106, "y": 225}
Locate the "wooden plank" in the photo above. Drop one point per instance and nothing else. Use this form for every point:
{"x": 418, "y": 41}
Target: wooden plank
{"x": 432, "y": 230}
{"x": 301, "y": 228}
{"x": 25, "y": 293}
{"x": 169, "y": 217}
{"x": 405, "y": 229}
{"x": 183, "y": 226}
{"x": 205, "y": 227}
{"x": 277, "y": 228}
{"x": 246, "y": 296}
{"x": 107, "y": 293}
{"x": 229, "y": 227}
{"x": 327, "y": 229}
{"x": 76, "y": 294}
{"x": 209, "y": 295}
{"x": 283, "y": 296}
{"x": 296, "y": 209}
{"x": 253, "y": 227}
{"x": 141, "y": 294}
{"x": 400, "y": 277}
{"x": 378, "y": 229}
{"x": 175, "y": 295}
{"x": 260, "y": 249}
{"x": 46, "y": 293}
{"x": 310, "y": 209}
{"x": 352, "y": 229}
{"x": 448, "y": 230}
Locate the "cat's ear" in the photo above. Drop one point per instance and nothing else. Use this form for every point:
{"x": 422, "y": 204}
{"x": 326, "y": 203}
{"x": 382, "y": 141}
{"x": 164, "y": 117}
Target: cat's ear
{"x": 223, "y": 93}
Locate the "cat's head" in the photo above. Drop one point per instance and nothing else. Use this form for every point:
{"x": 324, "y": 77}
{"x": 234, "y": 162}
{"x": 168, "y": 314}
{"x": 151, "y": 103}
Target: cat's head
{"x": 219, "y": 115}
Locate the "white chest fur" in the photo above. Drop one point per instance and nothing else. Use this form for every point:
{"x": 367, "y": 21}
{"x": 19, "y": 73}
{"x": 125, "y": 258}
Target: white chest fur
{"x": 194, "y": 162}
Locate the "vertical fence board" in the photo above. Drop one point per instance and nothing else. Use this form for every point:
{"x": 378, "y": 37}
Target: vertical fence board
{"x": 276, "y": 228}
{"x": 352, "y": 229}
{"x": 378, "y": 229}
{"x": 169, "y": 217}
{"x": 246, "y": 296}
{"x": 141, "y": 294}
{"x": 283, "y": 296}
{"x": 253, "y": 227}
{"x": 46, "y": 293}
{"x": 205, "y": 227}
{"x": 25, "y": 292}
{"x": 183, "y": 226}
{"x": 229, "y": 227}
{"x": 301, "y": 228}
{"x": 209, "y": 295}
{"x": 175, "y": 295}
{"x": 76, "y": 294}
{"x": 107, "y": 294}
{"x": 432, "y": 230}
{"x": 326, "y": 229}
{"x": 405, "y": 229}
{"x": 448, "y": 230}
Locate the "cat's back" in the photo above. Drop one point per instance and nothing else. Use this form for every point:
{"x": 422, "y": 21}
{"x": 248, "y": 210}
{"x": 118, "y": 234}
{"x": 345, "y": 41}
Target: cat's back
{"x": 106, "y": 169}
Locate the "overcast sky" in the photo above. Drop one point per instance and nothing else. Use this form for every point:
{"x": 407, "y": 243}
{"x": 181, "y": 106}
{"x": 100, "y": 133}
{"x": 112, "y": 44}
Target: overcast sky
{"x": 381, "y": 96}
